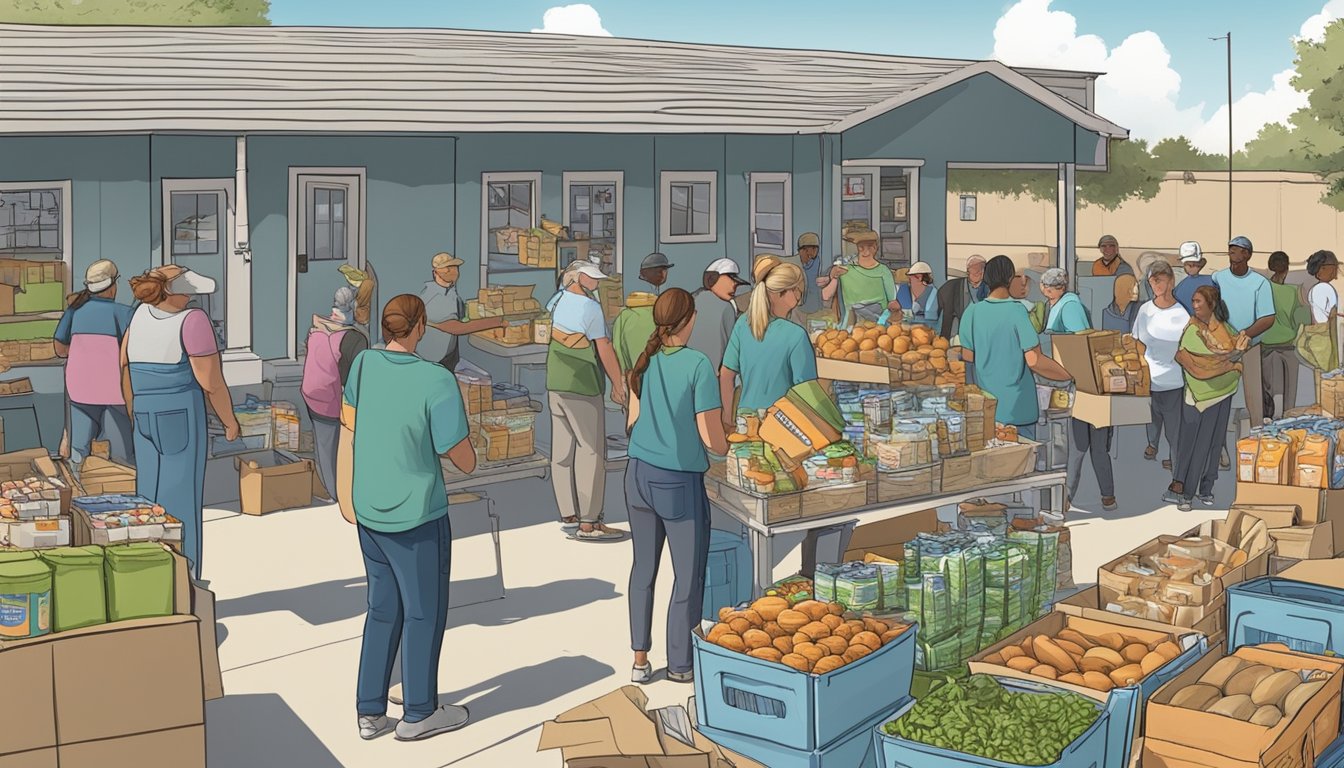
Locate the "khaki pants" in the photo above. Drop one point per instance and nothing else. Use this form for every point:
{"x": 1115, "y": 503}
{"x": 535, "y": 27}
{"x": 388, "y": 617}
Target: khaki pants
{"x": 1280, "y": 374}
{"x": 578, "y": 455}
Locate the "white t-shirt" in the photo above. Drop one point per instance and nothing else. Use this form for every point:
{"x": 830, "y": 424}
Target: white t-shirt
{"x": 1323, "y": 299}
{"x": 573, "y": 313}
{"x": 1160, "y": 331}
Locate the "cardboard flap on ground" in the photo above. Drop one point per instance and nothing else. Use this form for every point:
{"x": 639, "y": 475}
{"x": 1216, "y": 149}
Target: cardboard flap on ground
{"x": 1111, "y": 410}
{"x": 1317, "y": 505}
{"x": 1050, "y": 625}
{"x": 887, "y": 538}
{"x": 1327, "y": 573}
{"x": 1176, "y": 736}
{"x": 1274, "y": 515}
{"x": 616, "y": 731}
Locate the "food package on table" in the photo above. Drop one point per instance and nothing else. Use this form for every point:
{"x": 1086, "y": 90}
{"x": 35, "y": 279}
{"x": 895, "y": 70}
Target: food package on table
{"x": 875, "y": 587}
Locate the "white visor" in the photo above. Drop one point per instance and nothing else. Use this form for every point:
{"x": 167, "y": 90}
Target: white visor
{"x": 192, "y": 284}
{"x": 100, "y": 286}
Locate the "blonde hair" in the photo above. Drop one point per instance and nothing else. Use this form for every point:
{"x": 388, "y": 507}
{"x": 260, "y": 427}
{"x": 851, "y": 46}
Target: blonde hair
{"x": 772, "y": 276}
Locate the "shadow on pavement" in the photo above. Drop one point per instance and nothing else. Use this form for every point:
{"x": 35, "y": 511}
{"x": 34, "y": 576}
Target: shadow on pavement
{"x": 275, "y": 735}
{"x": 532, "y": 502}
{"x": 334, "y": 601}
{"x": 529, "y": 686}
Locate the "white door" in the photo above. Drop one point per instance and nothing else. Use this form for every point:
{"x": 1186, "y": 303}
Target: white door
{"x": 327, "y": 232}
{"x": 199, "y": 234}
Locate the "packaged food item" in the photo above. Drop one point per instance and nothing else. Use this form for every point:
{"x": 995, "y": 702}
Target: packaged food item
{"x": 1271, "y": 465}
{"x": 1313, "y": 463}
{"x": 1248, "y": 451}
{"x": 25, "y": 599}
{"x": 139, "y": 581}
{"x": 80, "y": 585}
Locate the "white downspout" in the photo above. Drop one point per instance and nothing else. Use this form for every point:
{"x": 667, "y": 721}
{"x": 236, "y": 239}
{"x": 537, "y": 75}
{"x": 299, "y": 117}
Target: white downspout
{"x": 240, "y": 266}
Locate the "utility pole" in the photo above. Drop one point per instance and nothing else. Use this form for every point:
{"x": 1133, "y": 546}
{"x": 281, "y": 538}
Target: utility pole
{"x": 1228, "y": 38}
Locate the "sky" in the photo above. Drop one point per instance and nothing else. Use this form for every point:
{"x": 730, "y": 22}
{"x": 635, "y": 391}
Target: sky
{"x": 1163, "y": 75}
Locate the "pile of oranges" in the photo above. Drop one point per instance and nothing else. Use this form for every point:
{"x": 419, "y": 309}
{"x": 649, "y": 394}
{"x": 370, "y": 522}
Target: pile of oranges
{"x": 916, "y": 352}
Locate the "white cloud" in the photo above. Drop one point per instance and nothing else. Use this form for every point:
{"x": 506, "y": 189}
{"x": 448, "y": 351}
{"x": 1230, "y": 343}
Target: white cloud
{"x": 577, "y": 19}
{"x": 1140, "y": 90}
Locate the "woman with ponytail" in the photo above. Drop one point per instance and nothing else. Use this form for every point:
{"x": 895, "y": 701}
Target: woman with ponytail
{"x": 674, "y": 416}
{"x": 1210, "y": 355}
{"x": 89, "y": 336}
{"x": 771, "y": 353}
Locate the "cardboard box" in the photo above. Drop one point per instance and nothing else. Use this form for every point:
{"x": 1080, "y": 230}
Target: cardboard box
{"x": 1209, "y": 621}
{"x": 1111, "y": 410}
{"x": 178, "y": 747}
{"x": 99, "y": 476}
{"x": 1327, "y": 573}
{"x": 1112, "y": 586}
{"x": 39, "y": 758}
{"x": 887, "y": 538}
{"x": 35, "y": 462}
{"x": 203, "y": 606}
{"x": 1317, "y": 505}
{"x": 618, "y": 731}
{"x": 1004, "y": 462}
{"x": 274, "y": 481}
{"x": 36, "y": 534}
{"x": 860, "y": 373}
{"x": 1176, "y": 737}
{"x": 31, "y": 723}
{"x": 1078, "y": 353}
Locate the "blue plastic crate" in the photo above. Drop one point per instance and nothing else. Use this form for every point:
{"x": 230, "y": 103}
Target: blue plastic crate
{"x": 727, "y": 572}
{"x": 1308, "y": 618}
{"x": 1108, "y": 743}
{"x": 854, "y": 749}
{"x": 112, "y": 502}
{"x": 736, "y": 693}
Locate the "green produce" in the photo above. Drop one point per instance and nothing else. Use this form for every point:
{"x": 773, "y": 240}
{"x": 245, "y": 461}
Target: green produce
{"x": 980, "y": 717}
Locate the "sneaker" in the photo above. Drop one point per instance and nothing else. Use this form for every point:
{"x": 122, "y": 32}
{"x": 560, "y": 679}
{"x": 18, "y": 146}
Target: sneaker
{"x": 681, "y": 677}
{"x": 569, "y": 524}
{"x": 1206, "y": 500}
{"x": 1184, "y": 506}
{"x": 598, "y": 533}
{"x": 445, "y": 719}
{"x": 1108, "y": 503}
{"x": 371, "y": 727}
{"x": 1169, "y": 497}
{"x": 1150, "y": 452}
{"x": 642, "y": 675}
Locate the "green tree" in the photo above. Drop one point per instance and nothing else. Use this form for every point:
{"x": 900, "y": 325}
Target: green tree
{"x": 1133, "y": 174}
{"x": 1178, "y": 154}
{"x": 148, "y": 12}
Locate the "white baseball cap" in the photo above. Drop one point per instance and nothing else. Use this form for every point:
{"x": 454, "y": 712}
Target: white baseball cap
{"x": 100, "y": 276}
{"x": 1190, "y": 251}
{"x": 588, "y": 268}
{"x": 919, "y": 268}
{"x": 727, "y": 267}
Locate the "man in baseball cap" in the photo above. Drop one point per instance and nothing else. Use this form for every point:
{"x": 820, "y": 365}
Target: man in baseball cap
{"x": 715, "y": 312}
{"x": 653, "y": 270}
{"x": 1250, "y": 309}
{"x": 809, "y": 247}
{"x": 1110, "y": 264}
{"x": 446, "y": 314}
{"x": 1193, "y": 262}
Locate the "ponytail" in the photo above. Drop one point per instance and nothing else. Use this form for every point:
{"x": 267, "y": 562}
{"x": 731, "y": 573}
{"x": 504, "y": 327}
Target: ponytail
{"x": 1220, "y": 312}
{"x": 772, "y": 275}
{"x": 636, "y": 376}
{"x": 77, "y": 300}
{"x": 671, "y": 312}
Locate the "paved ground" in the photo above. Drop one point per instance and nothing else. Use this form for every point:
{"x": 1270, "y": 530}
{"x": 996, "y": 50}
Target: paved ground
{"x": 290, "y": 589}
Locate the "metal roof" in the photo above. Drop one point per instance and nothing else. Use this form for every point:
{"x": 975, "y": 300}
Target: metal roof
{"x": 91, "y": 79}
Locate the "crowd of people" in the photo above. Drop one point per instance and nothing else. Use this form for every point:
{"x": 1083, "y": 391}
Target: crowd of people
{"x": 682, "y": 366}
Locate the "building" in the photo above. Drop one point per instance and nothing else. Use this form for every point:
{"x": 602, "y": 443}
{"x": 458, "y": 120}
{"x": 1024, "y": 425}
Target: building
{"x": 269, "y": 156}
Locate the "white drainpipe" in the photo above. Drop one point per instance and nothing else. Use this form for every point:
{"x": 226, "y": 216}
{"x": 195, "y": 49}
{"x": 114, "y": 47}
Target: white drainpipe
{"x": 240, "y": 267}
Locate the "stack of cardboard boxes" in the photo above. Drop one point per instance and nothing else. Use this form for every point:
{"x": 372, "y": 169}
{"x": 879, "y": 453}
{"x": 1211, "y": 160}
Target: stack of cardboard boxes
{"x": 512, "y": 302}
{"x": 501, "y": 418}
{"x": 1112, "y": 378}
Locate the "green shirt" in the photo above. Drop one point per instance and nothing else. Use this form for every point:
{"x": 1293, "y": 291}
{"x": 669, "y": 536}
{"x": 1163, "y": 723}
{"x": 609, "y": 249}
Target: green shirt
{"x": 772, "y": 366}
{"x": 1288, "y": 313}
{"x": 860, "y": 285}
{"x": 1202, "y": 390}
{"x": 630, "y": 335}
{"x": 408, "y": 413}
{"x": 678, "y": 384}
{"x": 999, "y": 332}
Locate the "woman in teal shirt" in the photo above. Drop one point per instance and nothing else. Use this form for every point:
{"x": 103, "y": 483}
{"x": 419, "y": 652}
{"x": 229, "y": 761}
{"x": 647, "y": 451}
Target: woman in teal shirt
{"x": 1067, "y": 313}
{"x": 674, "y": 416}
{"x": 769, "y": 351}
{"x": 400, "y": 414}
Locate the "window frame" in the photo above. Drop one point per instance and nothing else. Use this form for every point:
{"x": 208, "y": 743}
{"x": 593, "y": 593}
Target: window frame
{"x": 63, "y": 253}
{"x": 236, "y": 335}
{"x": 772, "y": 178}
{"x": 974, "y": 207}
{"x": 499, "y": 177}
{"x": 570, "y": 179}
{"x": 666, "y": 180}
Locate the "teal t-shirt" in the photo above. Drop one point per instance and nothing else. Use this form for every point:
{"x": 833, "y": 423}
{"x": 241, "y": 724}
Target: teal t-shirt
{"x": 769, "y": 368}
{"x": 999, "y": 331}
{"x": 678, "y": 384}
{"x": 408, "y": 413}
{"x": 1067, "y": 316}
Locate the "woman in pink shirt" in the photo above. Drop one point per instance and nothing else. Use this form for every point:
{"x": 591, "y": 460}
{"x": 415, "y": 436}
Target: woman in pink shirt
{"x": 333, "y": 344}
{"x": 170, "y": 366}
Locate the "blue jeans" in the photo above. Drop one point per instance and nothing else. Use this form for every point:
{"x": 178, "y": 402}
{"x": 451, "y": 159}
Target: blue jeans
{"x": 87, "y": 423}
{"x": 665, "y": 505}
{"x": 408, "y": 606}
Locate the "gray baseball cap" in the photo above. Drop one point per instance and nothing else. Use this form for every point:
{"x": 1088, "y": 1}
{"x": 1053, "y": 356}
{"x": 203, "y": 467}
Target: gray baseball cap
{"x": 655, "y": 261}
{"x": 1241, "y": 241}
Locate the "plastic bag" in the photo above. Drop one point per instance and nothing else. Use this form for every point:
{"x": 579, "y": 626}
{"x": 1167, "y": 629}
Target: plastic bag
{"x": 1317, "y": 345}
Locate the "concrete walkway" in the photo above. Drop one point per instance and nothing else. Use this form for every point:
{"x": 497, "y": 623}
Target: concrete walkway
{"x": 291, "y": 602}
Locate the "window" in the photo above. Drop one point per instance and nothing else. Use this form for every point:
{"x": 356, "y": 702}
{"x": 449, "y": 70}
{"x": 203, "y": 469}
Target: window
{"x": 593, "y": 203}
{"x": 327, "y": 211}
{"x": 196, "y": 223}
{"x": 34, "y": 268}
{"x": 689, "y": 207}
{"x": 771, "y": 207}
{"x": 508, "y": 211}
{"x": 968, "y": 207}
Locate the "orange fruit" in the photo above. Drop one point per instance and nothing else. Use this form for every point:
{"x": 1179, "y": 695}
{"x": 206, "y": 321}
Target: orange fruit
{"x": 867, "y": 345}
{"x": 900, "y": 345}
{"x": 884, "y": 343}
{"x": 941, "y": 343}
{"x": 894, "y": 331}
{"x": 849, "y": 345}
{"x": 852, "y": 357}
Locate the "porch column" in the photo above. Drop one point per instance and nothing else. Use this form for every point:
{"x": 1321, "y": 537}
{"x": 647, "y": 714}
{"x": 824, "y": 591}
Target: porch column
{"x": 1065, "y": 213}
{"x": 241, "y": 366}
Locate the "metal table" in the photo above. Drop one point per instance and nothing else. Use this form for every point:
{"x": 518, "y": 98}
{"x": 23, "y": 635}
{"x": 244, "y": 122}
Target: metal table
{"x": 523, "y": 357}
{"x": 493, "y": 473}
{"x": 761, "y": 536}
